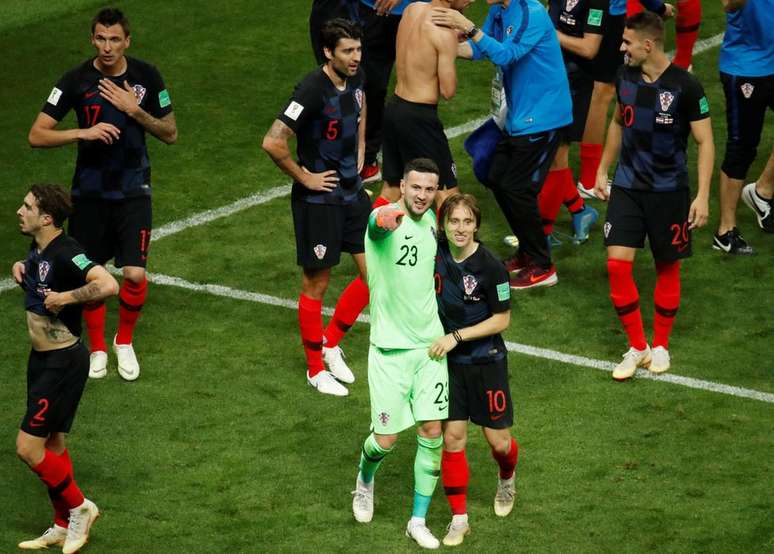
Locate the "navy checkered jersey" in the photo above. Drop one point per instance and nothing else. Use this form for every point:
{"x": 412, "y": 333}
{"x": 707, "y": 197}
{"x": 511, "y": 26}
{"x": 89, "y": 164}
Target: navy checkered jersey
{"x": 122, "y": 169}
{"x": 656, "y": 120}
{"x": 576, "y": 17}
{"x": 60, "y": 267}
{"x": 468, "y": 292}
{"x": 325, "y": 121}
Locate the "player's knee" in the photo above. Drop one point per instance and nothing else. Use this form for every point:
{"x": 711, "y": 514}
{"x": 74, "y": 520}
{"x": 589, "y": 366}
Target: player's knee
{"x": 499, "y": 440}
{"x": 134, "y": 274}
{"x": 430, "y": 430}
{"x": 453, "y": 440}
{"x": 30, "y": 453}
{"x": 738, "y": 158}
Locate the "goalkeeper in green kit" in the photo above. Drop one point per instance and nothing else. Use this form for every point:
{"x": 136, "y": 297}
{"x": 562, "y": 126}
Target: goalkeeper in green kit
{"x": 407, "y": 387}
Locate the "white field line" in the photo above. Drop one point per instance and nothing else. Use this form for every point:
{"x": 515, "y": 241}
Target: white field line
{"x": 228, "y": 292}
{"x": 282, "y": 190}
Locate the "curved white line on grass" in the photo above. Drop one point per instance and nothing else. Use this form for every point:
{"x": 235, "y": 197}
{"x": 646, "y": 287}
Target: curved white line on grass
{"x": 236, "y": 294}
{"x": 216, "y": 213}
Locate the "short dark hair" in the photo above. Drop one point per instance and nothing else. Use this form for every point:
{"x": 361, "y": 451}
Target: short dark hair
{"x": 336, "y": 29}
{"x": 647, "y": 23}
{"x": 53, "y": 200}
{"x": 422, "y": 165}
{"x": 458, "y": 199}
{"x": 109, "y": 17}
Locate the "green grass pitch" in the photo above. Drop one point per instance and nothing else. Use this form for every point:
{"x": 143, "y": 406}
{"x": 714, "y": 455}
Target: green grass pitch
{"x": 222, "y": 447}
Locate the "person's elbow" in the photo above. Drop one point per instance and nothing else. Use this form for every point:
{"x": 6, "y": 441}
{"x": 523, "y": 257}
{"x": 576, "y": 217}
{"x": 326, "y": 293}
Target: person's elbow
{"x": 34, "y": 138}
{"x": 448, "y": 89}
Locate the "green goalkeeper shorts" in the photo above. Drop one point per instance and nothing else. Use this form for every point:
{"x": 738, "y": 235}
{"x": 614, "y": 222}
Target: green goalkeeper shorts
{"x": 406, "y": 387}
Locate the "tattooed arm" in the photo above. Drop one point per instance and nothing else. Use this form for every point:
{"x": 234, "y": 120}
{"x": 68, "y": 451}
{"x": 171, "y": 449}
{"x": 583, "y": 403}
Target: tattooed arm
{"x": 275, "y": 143}
{"x": 99, "y": 285}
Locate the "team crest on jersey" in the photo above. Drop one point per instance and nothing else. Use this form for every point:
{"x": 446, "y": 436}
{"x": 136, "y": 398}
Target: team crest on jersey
{"x": 384, "y": 417}
{"x": 606, "y": 228}
{"x": 319, "y": 251}
{"x": 470, "y": 283}
{"x": 509, "y": 30}
{"x": 139, "y": 93}
{"x": 359, "y": 98}
{"x": 570, "y": 5}
{"x": 43, "y": 268}
{"x": 665, "y": 98}
{"x": 747, "y": 89}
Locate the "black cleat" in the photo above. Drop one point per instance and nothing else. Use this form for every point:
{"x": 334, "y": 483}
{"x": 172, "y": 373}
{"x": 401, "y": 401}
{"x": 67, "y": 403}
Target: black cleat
{"x": 731, "y": 242}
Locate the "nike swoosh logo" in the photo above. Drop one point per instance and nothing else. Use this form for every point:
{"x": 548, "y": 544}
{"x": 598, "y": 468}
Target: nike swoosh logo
{"x": 33, "y": 424}
{"x": 442, "y": 408}
{"x": 533, "y": 279}
{"x": 754, "y": 206}
{"x": 90, "y": 94}
{"x": 408, "y": 237}
{"x": 723, "y": 247}
{"x": 495, "y": 417}
{"x": 535, "y": 139}
{"x": 682, "y": 248}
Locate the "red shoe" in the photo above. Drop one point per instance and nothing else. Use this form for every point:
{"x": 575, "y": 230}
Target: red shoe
{"x": 370, "y": 173}
{"x": 516, "y": 263}
{"x": 534, "y": 276}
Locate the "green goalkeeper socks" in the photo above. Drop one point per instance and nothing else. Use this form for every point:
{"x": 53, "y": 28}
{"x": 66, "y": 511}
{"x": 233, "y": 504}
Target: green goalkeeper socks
{"x": 370, "y": 458}
{"x": 427, "y": 469}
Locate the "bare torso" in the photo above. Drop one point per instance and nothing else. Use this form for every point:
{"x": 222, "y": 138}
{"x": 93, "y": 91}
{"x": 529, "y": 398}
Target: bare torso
{"x": 424, "y": 57}
{"x": 47, "y": 333}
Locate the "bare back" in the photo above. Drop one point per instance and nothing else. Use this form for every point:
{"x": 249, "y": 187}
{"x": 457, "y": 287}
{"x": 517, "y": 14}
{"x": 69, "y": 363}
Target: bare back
{"x": 425, "y": 55}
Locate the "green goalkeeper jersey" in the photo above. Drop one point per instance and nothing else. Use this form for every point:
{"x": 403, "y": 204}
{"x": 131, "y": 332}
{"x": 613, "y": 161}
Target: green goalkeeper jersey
{"x": 401, "y": 266}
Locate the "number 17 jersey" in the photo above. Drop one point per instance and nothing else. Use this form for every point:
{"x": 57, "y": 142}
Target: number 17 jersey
{"x": 401, "y": 266}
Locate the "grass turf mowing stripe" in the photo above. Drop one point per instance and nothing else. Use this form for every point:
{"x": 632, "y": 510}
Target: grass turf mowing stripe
{"x": 236, "y": 294}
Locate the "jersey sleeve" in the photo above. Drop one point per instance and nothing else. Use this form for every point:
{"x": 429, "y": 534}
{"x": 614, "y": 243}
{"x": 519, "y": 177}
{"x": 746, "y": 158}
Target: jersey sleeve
{"x": 498, "y": 288}
{"x": 62, "y": 97}
{"x": 159, "y": 103}
{"x": 696, "y": 105}
{"x": 305, "y": 102}
{"x": 597, "y": 17}
{"x": 74, "y": 263}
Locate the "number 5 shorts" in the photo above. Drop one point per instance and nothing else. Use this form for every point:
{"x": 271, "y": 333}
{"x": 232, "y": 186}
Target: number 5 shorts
{"x": 406, "y": 387}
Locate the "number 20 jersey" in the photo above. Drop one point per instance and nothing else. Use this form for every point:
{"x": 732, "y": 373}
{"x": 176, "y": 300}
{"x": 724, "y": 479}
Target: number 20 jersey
{"x": 401, "y": 266}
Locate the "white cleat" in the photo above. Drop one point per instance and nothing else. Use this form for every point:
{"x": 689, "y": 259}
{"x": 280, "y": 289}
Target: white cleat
{"x": 334, "y": 359}
{"x": 54, "y": 536}
{"x": 760, "y": 206}
{"x": 81, "y": 520}
{"x": 326, "y": 384}
{"x": 631, "y": 361}
{"x": 456, "y": 530}
{"x": 659, "y": 361}
{"x": 363, "y": 501}
{"x": 98, "y": 364}
{"x": 417, "y": 530}
{"x": 128, "y": 368}
{"x": 505, "y": 496}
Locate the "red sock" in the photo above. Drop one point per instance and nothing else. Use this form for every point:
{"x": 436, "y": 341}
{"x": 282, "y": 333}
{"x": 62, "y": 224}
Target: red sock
{"x": 310, "y": 323}
{"x": 667, "y": 300}
{"x": 590, "y": 154}
{"x": 633, "y": 7}
{"x": 687, "y": 23}
{"x": 570, "y": 196}
{"x": 455, "y": 475}
{"x": 94, "y": 315}
{"x": 131, "y": 298}
{"x": 56, "y": 474}
{"x": 350, "y": 304}
{"x": 550, "y": 200}
{"x": 380, "y": 201}
{"x": 626, "y": 300}
{"x": 61, "y": 511}
{"x": 507, "y": 462}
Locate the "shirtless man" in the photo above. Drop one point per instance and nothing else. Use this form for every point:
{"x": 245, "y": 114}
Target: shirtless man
{"x": 425, "y": 55}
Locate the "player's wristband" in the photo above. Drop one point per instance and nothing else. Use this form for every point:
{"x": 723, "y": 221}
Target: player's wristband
{"x": 473, "y": 32}
{"x": 456, "y": 335}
